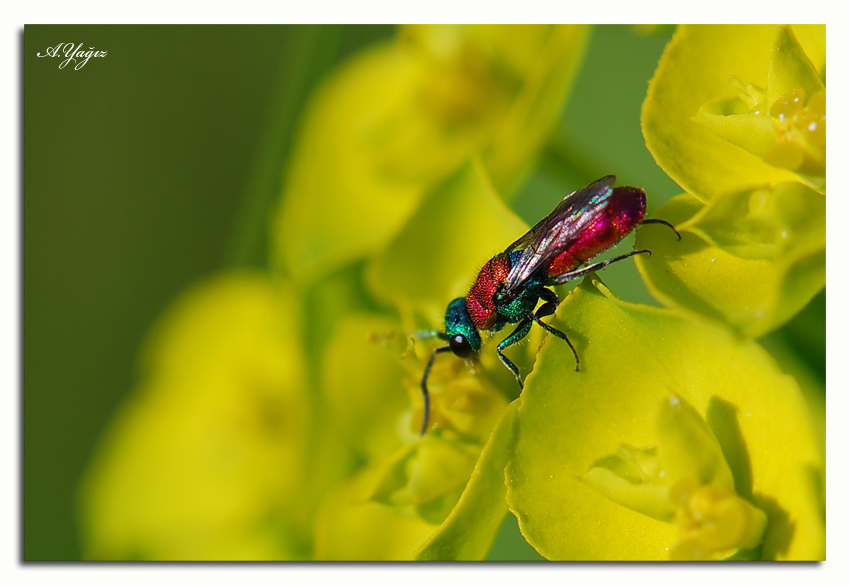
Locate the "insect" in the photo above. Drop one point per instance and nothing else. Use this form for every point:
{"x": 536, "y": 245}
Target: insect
{"x": 509, "y": 286}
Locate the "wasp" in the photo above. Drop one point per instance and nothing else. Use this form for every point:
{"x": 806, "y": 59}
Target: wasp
{"x": 510, "y": 285}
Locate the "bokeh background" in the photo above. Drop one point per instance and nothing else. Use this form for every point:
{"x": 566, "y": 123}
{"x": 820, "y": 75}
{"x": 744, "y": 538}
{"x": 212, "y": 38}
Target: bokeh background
{"x": 157, "y": 165}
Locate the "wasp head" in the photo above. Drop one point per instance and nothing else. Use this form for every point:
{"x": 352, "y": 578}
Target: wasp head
{"x": 462, "y": 335}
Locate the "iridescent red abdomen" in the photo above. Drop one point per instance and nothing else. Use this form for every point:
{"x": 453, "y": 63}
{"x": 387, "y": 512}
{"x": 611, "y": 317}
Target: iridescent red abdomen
{"x": 624, "y": 210}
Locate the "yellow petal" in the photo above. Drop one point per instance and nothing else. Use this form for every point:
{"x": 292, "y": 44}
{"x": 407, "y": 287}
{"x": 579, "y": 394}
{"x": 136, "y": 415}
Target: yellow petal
{"x": 400, "y": 117}
{"x": 349, "y": 527}
{"x": 752, "y": 259}
{"x": 205, "y": 460}
{"x": 696, "y": 70}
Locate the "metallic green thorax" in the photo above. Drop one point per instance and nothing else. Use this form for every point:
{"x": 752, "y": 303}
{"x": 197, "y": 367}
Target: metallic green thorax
{"x": 521, "y": 305}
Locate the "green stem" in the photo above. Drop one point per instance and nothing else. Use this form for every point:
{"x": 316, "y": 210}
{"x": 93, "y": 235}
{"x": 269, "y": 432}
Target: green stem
{"x": 309, "y": 53}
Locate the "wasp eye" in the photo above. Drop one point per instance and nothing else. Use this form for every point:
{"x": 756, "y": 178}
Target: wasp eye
{"x": 459, "y": 345}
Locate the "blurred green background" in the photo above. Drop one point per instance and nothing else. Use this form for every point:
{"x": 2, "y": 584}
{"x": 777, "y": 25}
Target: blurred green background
{"x": 156, "y": 165}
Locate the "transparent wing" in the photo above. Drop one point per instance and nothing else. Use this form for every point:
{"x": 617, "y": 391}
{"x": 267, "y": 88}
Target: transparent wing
{"x": 557, "y": 231}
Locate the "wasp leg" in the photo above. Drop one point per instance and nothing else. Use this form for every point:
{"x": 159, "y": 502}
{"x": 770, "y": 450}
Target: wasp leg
{"x": 518, "y": 335}
{"x": 568, "y": 276}
{"x": 425, "y": 396}
{"x": 667, "y": 223}
{"x": 547, "y": 308}
{"x": 550, "y": 303}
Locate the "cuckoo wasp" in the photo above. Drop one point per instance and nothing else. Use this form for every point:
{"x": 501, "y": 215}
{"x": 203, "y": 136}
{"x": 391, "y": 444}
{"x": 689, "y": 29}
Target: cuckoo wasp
{"x": 509, "y": 287}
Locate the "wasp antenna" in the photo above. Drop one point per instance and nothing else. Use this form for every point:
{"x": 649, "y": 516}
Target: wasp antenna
{"x": 667, "y": 223}
{"x": 425, "y": 396}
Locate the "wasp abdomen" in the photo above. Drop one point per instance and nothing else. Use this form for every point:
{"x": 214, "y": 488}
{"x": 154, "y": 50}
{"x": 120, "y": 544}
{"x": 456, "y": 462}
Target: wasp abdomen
{"x": 623, "y": 211}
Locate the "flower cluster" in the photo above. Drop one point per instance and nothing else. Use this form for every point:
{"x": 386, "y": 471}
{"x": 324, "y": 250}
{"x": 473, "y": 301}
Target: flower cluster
{"x": 277, "y": 413}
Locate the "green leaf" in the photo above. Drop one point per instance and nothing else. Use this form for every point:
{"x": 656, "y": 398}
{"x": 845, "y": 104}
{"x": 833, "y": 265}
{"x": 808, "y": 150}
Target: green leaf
{"x": 634, "y": 357}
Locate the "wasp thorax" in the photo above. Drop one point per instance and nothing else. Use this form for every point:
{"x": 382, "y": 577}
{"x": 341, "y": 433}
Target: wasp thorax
{"x": 481, "y": 301}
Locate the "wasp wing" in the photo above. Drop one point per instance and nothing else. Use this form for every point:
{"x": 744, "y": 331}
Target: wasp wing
{"x": 556, "y": 231}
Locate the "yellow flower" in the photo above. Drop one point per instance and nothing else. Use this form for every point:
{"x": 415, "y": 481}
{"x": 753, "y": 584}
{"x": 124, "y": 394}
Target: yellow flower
{"x": 399, "y": 118}
{"x": 713, "y": 523}
{"x": 206, "y": 461}
{"x": 278, "y": 417}
{"x": 421, "y": 268}
{"x": 696, "y": 480}
{"x": 720, "y": 113}
{"x": 737, "y": 116}
{"x": 684, "y": 480}
{"x": 784, "y": 124}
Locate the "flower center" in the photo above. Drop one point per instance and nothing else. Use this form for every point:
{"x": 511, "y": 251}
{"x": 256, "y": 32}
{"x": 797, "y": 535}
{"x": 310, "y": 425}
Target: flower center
{"x": 712, "y": 520}
{"x": 800, "y": 128}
